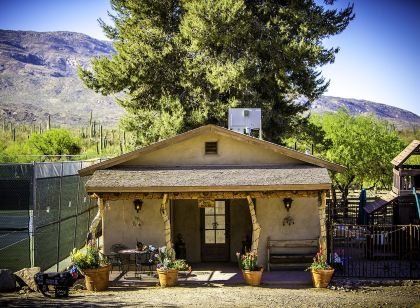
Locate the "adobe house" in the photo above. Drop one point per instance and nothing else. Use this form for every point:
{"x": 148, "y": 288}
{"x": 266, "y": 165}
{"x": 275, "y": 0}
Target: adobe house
{"x": 406, "y": 182}
{"x": 215, "y": 187}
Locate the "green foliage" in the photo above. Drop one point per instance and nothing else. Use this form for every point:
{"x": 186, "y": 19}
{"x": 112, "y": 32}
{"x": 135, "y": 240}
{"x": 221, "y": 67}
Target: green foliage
{"x": 87, "y": 260}
{"x": 308, "y": 136}
{"x": 24, "y": 145}
{"x": 248, "y": 261}
{"x": 319, "y": 262}
{"x": 56, "y": 141}
{"x": 27, "y": 143}
{"x": 408, "y": 135}
{"x": 181, "y": 265}
{"x": 363, "y": 144}
{"x": 166, "y": 261}
{"x": 181, "y": 64}
{"x": 413, "y": 160}
{"x": 16, "y": 152}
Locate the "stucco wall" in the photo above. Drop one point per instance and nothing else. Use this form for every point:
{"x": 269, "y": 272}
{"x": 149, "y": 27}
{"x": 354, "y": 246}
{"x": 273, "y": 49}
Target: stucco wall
{"x": 270, "y": 215}
{"x": 230, "y": 152}
{"x": 120, "y": 224}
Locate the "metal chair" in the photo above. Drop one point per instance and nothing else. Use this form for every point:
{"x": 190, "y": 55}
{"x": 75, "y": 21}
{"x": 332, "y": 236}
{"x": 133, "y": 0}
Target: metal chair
{"x": 118, "y": 259}
{"x": 113, "y": 259}
{"x": 144, "y": 260}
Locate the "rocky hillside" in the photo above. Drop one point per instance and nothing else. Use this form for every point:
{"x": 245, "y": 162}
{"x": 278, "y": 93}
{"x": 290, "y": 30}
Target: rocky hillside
{"x": 38, "y": 77}
{"x": 400, "y": 117}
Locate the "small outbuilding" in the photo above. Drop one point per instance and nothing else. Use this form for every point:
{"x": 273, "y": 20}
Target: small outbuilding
{"x": 217, "y": 189}
{"x": 403, "y": 198}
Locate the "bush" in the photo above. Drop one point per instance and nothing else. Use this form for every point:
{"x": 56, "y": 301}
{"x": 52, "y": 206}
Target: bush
{"x": 87, "y": 260}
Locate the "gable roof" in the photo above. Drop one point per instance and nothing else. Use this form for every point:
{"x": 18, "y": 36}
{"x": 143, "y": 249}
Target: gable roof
{"x": 413, "y": 147}
{"x": 220, "y": 131}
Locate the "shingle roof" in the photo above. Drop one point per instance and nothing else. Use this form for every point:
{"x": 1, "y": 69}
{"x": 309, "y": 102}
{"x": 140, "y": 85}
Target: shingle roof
{"x": 299, "y": 177}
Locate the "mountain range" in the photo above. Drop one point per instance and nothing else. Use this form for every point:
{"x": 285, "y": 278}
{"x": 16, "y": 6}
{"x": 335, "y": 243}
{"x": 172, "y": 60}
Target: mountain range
{"x": 38, "y": 78}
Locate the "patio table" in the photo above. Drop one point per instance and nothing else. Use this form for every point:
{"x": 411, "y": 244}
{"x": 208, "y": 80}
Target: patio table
{"x": 129, "y": 253}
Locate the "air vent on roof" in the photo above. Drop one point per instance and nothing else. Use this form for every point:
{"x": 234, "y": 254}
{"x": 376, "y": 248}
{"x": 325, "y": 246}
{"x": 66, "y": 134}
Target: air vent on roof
{"x": 245, "y": 121}
{"x": 211, "y": 147}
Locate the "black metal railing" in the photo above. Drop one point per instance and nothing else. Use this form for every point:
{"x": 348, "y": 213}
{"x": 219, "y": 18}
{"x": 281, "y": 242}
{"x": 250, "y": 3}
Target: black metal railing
{"x": 347, "y": 212}
{"x": 375, "y": 251}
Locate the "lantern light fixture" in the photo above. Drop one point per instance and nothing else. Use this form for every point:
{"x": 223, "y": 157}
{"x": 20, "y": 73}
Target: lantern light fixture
{"x": 138, "y": 203}
{"x": 287, "y": 203}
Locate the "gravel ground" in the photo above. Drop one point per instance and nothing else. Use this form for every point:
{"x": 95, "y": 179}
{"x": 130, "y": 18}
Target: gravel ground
{"x": 215, "y": 295}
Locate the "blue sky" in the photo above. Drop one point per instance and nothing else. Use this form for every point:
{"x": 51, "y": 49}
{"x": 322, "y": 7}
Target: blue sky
{"x": 379, "y": 58}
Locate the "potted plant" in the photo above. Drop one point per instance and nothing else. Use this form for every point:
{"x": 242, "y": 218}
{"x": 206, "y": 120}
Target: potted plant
{"x": 321, "y": 271}
{"x": 168, "y": 267}
{"x": 92, "y": 266}
{"x": 251, "y": 271}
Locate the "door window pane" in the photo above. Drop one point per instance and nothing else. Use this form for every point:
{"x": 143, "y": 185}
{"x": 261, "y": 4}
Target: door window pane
{"x": 220, "y": 236}
{"x": 209, "y": 237}
{"x": 220, "y": 207}
{"x": 209, "y": 210}
{"x": 220, "y": 220}
{"x": 209, "y": 222}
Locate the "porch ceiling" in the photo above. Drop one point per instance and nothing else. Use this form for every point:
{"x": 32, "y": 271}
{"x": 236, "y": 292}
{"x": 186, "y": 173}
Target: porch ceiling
{"x": 298, "y": 177}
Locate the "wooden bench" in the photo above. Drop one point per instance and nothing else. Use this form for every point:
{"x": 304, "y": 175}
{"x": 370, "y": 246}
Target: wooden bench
{"x": 291, "y": 253}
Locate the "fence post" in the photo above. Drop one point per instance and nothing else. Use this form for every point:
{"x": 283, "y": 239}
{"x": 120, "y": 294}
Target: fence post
{"x": 77, "y": 209}
{"x": 31, "y": 218}
{"x": 59, "y": 217}
{"x": 411, "y": 250}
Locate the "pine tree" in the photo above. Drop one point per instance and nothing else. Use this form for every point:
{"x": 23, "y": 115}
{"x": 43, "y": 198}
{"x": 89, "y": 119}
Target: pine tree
{"x": 182, "y": 64}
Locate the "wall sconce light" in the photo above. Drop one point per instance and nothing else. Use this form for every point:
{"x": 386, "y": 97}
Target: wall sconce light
{"x": 138, "y": 204}
{"x": 287, "y": 203}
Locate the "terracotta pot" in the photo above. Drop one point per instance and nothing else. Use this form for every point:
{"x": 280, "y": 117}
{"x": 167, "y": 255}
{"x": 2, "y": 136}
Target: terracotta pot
{"x": 252, "y": 278}
{"x": 321, "y": 278}
{"x": 96, "y": 279}
{"x": 168, "y": 278}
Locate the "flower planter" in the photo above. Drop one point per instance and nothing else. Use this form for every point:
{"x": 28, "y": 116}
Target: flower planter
{"x": 321, "y": 278}
{"x": 96, "y": 279}
{"x": 252, "y": 278}
{"x": 168, "y": 278}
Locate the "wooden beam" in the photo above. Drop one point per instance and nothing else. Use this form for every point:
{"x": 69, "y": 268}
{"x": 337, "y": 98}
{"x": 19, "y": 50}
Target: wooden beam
{"x": 167, "y": 223}
{"x": 256, "y": 228}
{"x": 209, "y": 195}
{"x": 244, "y": 188}
{"x": 98, "y": 218}
{"x": 322, "y": 222}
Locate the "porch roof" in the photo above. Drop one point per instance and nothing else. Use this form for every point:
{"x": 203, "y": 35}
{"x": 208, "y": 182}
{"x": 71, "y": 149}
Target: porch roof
{"x": 298, "y": 177}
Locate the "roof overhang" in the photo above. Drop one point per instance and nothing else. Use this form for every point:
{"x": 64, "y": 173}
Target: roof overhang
{"x": 297, "y": 178}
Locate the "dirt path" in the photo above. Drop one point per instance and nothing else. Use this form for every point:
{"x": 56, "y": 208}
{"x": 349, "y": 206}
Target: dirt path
{"x": 215, "y": 295}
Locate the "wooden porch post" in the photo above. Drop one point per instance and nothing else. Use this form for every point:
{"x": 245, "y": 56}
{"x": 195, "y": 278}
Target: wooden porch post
{"x": 322, "y": 221}
{"x": 98, "y": 218}
{"x": 256, "y": 228}
{"x": 167, "y": 222}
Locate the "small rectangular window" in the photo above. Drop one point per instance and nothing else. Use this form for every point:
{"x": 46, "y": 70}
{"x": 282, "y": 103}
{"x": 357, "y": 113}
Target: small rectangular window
{"x": 211, "y": 148}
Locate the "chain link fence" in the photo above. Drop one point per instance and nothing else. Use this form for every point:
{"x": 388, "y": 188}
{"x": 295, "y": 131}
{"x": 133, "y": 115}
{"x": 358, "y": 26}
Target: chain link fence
{"x": 44, "y": 213}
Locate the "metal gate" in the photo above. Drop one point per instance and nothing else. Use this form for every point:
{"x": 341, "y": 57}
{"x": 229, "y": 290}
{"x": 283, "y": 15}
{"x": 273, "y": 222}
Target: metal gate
{"x": 375, "y": 251}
